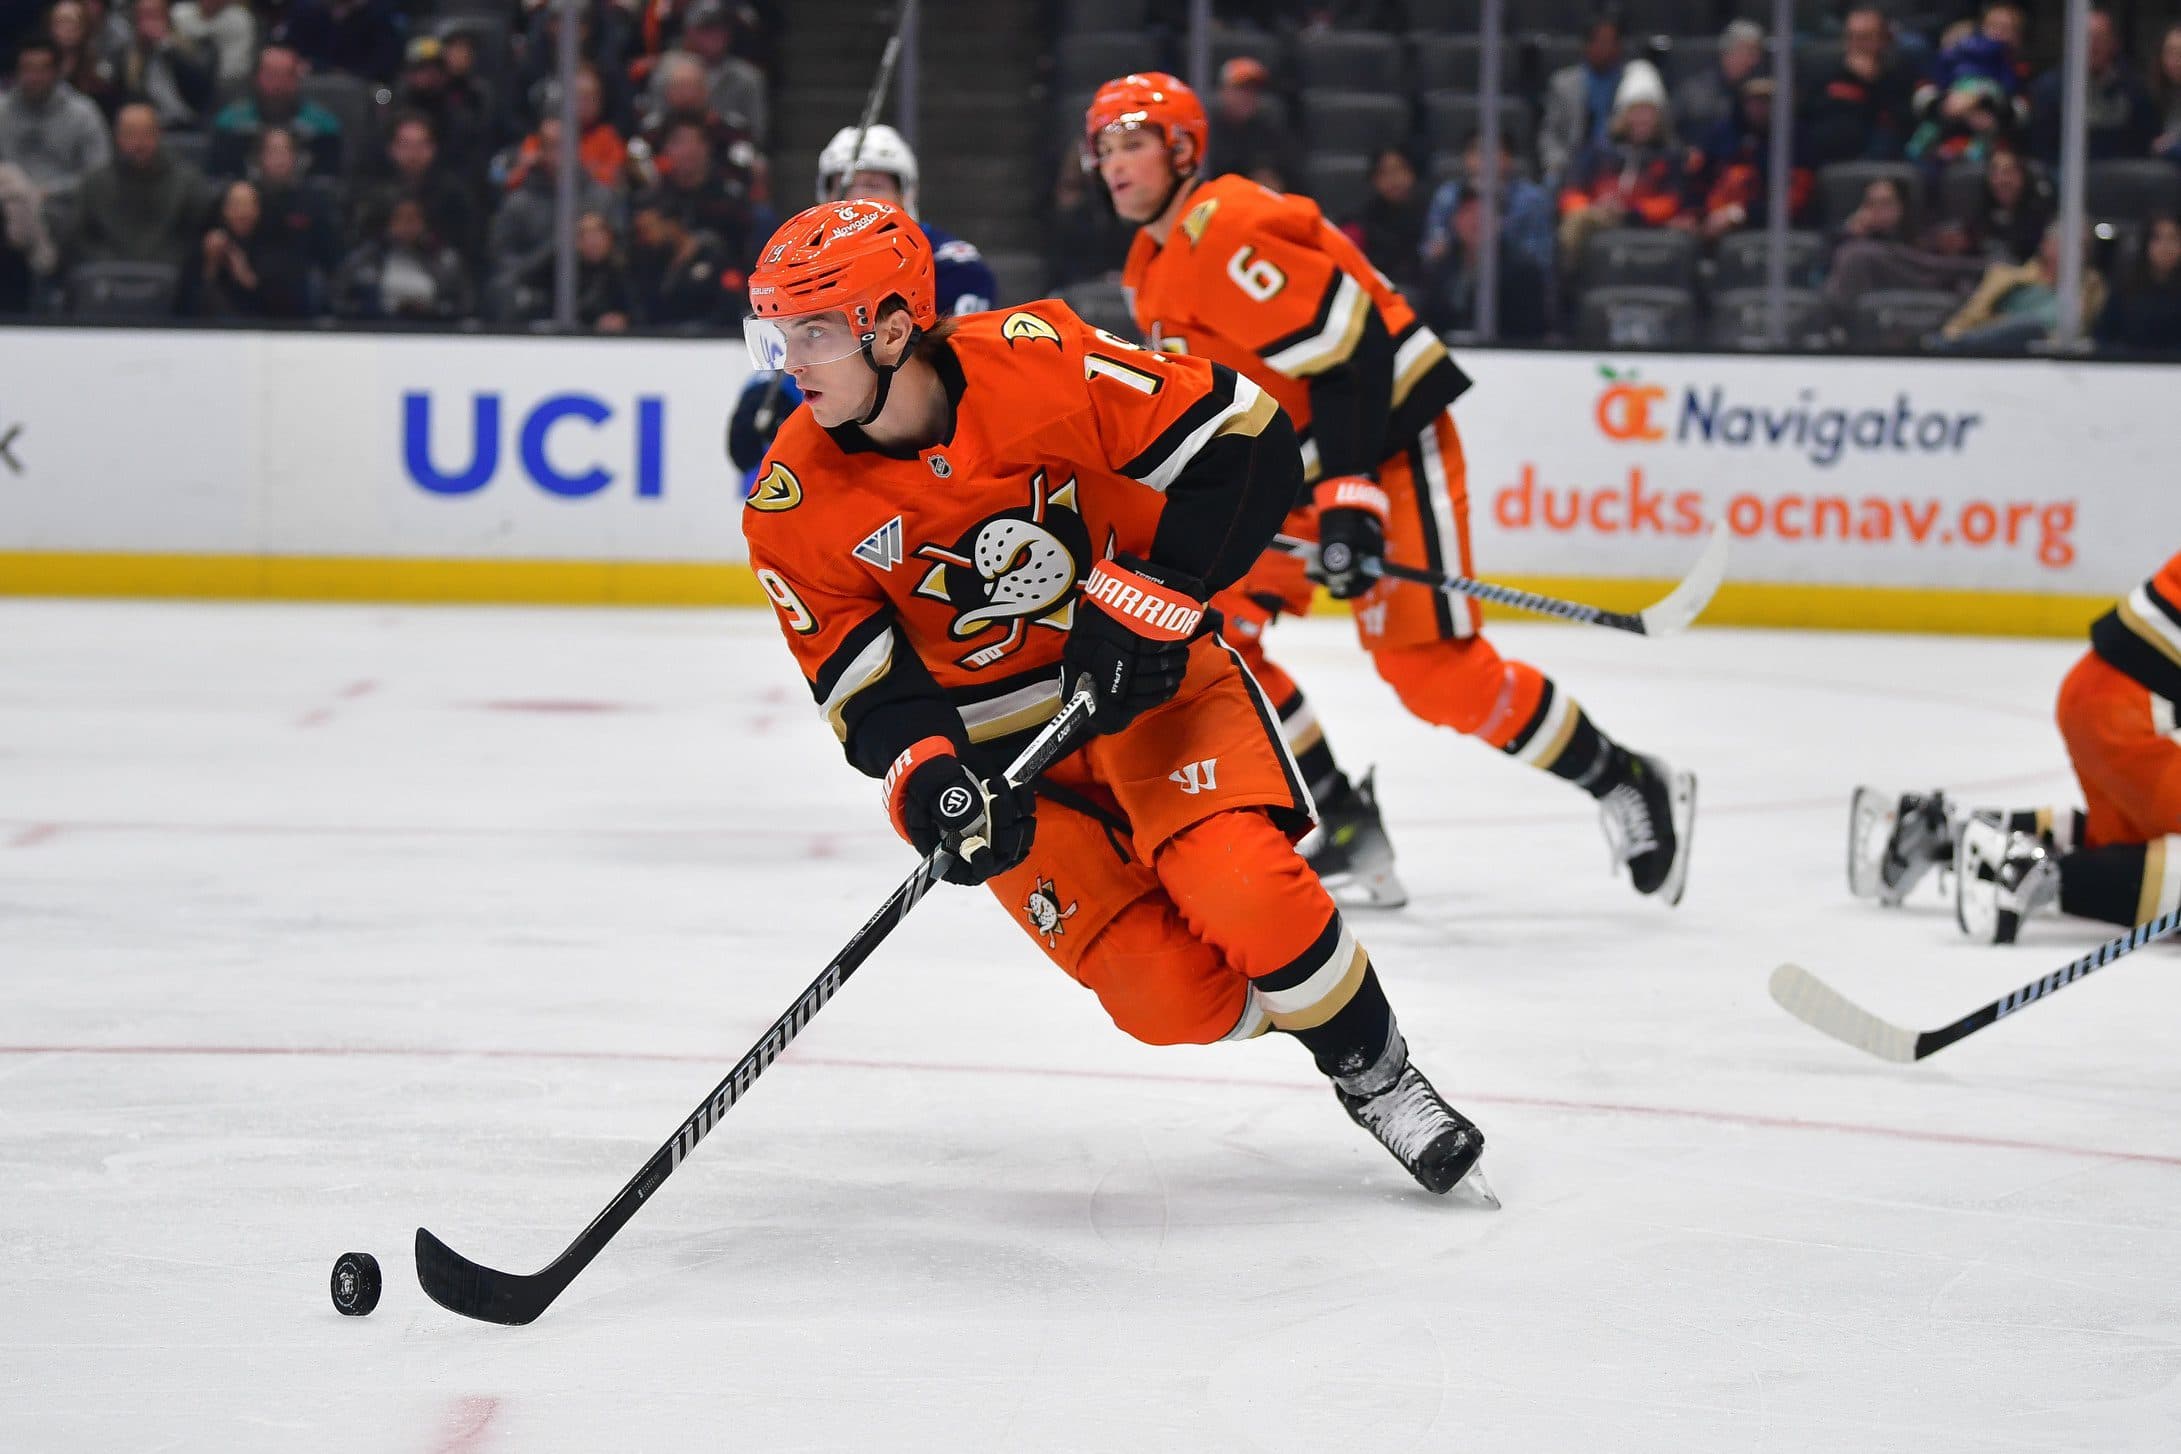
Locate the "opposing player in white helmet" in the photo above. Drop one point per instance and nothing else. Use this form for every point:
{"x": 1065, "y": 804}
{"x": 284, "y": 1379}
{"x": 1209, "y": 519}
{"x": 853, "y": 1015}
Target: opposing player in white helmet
{"x": 884, "y": 170}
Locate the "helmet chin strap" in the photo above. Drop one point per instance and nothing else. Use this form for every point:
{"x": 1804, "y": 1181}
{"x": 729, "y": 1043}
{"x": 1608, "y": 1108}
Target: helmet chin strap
{"x": 885, "y": 372}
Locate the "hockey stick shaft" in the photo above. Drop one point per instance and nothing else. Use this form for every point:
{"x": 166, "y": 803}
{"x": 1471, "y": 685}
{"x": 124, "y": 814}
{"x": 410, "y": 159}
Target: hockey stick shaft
{"x": 1820, "y": 1006}
{"x": 1670, "y": 614}
{"x": 477, "y": 1291}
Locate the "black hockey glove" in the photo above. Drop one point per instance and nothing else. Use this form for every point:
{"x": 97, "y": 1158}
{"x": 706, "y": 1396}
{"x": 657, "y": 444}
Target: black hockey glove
{"x": 1351, "y": 535}
{"x": 937, "y": 802}
{"x": 1131, "y": 638}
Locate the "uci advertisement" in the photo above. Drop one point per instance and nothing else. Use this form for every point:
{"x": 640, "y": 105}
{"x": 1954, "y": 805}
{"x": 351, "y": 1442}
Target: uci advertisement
{"x": 1967, "y": 476}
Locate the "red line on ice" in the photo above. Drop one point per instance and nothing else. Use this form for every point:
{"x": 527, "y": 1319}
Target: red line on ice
{"x": 1548, "y": 1103}
{"x": 34, "y": 835}
{"x": 467, "y": 1422}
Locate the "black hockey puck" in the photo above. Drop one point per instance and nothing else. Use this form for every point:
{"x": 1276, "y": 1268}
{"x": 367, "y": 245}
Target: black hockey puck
{"x": 356, "y": 1284}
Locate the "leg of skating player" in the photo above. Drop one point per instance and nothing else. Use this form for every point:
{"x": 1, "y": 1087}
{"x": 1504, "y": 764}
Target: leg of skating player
{"x": 1350, "y": 850}
{"x": 1260, "y": 947}
{"x": 1427, "y": 646}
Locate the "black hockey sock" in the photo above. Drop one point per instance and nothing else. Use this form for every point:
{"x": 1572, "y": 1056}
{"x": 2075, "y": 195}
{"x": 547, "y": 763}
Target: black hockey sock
{"x": 1592, "y": 761}
{"x": 1313, "y": 754}
{"x": 2060, "y": 828}
{"x": 1352, "y": 1047}
{"x": 2124, "y": 883}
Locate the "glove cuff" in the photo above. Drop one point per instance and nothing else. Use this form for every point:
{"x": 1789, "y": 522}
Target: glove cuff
{"x": 1352, "y": 492}
{"x": 1149, "y": 607}
{"x": 903, "y": 767}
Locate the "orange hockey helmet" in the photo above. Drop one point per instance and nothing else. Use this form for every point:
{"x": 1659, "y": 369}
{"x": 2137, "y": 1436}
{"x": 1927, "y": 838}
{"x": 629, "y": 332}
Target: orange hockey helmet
{"x": 1149, "y": 99}
{"x": 823, "y": 280}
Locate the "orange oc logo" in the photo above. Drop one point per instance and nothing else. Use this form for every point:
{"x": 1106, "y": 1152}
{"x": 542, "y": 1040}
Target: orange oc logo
{"x": 1624, "y": 408}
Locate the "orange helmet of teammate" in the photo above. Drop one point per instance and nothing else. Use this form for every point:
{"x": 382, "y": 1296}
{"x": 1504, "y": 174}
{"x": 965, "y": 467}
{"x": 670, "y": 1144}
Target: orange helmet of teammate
{"x": 822, "y": 282}
{"x": 1150, "y": 99}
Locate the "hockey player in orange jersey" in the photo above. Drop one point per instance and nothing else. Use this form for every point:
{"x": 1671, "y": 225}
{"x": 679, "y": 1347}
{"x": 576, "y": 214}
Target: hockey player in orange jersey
{"x": 967, "y": 519}
{"x": 1224, "y": 269}
{"x": 2118, "y": 858}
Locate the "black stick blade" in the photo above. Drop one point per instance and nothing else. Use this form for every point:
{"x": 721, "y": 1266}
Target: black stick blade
{"x": 476, "y": 1291}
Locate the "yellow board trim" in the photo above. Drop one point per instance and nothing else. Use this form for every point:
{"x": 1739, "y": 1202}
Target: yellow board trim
{"x": 344, "y": 578}
{"x": 689, "y": 583}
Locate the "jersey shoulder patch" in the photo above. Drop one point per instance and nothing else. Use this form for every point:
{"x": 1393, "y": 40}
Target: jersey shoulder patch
{"x": 957, "y": 251}
{"x": 777, "y": 489}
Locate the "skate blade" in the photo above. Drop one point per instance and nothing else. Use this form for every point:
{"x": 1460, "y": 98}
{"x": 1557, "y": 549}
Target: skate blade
{"x": 1366, "y": 890}
{"x": 1474, "y": 1188}
{"x": 1871, "y": 817}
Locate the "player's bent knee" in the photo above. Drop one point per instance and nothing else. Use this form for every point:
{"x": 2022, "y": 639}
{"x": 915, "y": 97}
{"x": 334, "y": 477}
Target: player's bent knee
{"x": 1244, "y": 890}
{"x": 1159, "y": 982}
{"x": 1452, "y": 683}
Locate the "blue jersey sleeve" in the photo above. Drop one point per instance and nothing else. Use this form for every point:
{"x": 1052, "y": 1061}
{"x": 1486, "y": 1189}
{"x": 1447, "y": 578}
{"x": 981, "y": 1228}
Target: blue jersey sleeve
{"x": 767, "y": 400}
{"x": 964, "y": 280}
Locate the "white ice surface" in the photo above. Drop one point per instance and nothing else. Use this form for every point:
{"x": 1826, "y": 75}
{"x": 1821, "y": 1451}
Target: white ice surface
{"x": 318, "y": 924}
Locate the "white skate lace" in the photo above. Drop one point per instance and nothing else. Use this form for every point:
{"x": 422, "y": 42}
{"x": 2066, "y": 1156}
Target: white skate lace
{"x": 1407, "y": 1118}
{"x": 1629, "y": 831}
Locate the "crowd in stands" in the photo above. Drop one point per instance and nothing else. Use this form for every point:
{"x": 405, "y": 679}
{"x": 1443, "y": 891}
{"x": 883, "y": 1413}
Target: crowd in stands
{"x": 378, "y": 159}
{"x": 1635, "y": 165}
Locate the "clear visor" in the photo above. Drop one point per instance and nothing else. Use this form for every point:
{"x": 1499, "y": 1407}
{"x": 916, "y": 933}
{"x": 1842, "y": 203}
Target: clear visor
{"x": 800, "y": 342}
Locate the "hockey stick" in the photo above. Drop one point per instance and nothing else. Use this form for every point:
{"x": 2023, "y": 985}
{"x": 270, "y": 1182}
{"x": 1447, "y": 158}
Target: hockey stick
{"x": 476, "y": 1291}
{"x": 769, "y": 406}
{"x": 1820, "y": 1006}
{"x": 1670, "y": 614}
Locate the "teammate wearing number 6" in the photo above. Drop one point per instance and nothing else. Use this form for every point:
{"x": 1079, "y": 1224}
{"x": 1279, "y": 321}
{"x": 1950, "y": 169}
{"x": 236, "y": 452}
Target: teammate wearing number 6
{"x": 971, "y": 520}
{"x": 1227, "y": 270}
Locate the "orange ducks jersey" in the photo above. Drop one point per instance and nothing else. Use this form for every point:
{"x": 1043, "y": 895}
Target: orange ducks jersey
{"x": 2141, "y": 635}
{"x": 928, "y": 593}
{"x": 1262, "y": 283}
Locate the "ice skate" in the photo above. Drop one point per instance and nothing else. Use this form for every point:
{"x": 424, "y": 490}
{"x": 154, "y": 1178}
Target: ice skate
{"x": 2000, "y": 879}
{"x": 1350, "y": 851}
{"x": 1438, "y": 1145}
{"x": 1893, "y": 842}
{"x": 1650, "y": 822}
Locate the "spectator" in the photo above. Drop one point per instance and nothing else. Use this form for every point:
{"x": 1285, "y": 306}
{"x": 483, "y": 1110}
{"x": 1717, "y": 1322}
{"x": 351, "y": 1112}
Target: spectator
{"x": 605, "y": 299}
{"x": 49, "y": 130}
{"x": 1973, "y": 100}
{"x": 2145, "y": 314}
{"x": 412, "y": 170}
{"x": 107, "y": 30}
{"x": 303, "y": 207}
{"x": 599, "y": 147}
{"x": 2120, "y": 118}
{"x": 523, "y": 228}
{"x": 2014, "y": 307}
{"x": 1703, "y": 101}
{"x": 1083, "y": 239}
{"x": 735, "y": 87}
{"x": 462, "y": 126}
{"x": 1864, "y": 110}
{"x": 2166, "y": 95}
{"x": 1632, "y": 179}
{"x": 82, "y": 64}
{"x": 227, "y": 32}
{"x": 404, "y": 273}
{"x": 1876, "y": 251}
{"x": 1733, "y": 177}
{"x": 27, "y": 253}
{"x": 1390, "y": 228}
{"x": 681, "y": 277}
{"x": 2016, "y": 208}
{"x": 707, "y": 201}
{"x": 359, "y": 37}
{"x": 1245, "y": 136}
{"x": 1582, "y": 101}
{"x": 602, "y": 37}
{"x": 157, "y": 67}
{"x": 244, "y": 268}
{"x": 276, "y": 99}
{"x": 142, "y": 207}
{"x": 686, "y": 99}
{"x": 1451, "y": 243}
